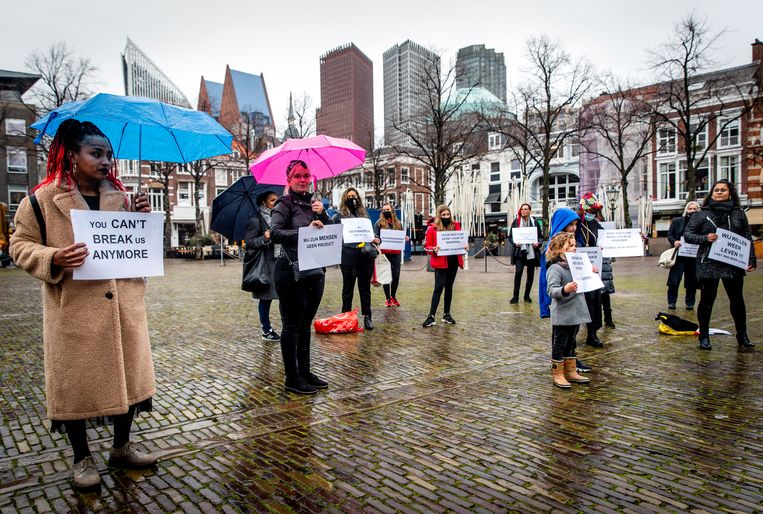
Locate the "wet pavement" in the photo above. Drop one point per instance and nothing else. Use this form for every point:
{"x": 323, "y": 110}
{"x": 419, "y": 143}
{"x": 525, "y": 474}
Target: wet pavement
{"x": 459, "y": 418}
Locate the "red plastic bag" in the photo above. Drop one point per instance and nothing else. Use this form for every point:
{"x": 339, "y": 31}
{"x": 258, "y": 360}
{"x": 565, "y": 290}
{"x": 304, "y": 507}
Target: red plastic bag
{"x": 344, "y": 323}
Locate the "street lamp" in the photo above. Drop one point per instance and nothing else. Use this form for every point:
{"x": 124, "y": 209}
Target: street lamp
{"x": 613, "y": 195}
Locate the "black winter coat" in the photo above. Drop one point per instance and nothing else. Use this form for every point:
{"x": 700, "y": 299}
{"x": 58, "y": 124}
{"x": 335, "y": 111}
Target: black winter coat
{"x": 587, "y": 234}
{"x": 676, "y": 230}
{"x": 517, "y": 253}
{"x": 708, "y": 220}
{"x": 255, "y": 242}
{"x": 290, "y": 213}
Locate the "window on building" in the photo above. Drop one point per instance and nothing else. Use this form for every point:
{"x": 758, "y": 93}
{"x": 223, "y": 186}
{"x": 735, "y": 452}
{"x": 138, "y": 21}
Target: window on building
{"x": 495, "y": 172}
{"x": 391, "y": 177}
{"x": 494, "y": 188}
{"x": 699, "y": 133}
{"x": 15, "y": 127}
{"x": 15, "y": 195}
{"x": 185, "y": 196}
{"x": 574, "y": 147}
{"x": 221, "y": 176}
{"x": 666, "y": 141}
{"x": 728, "y": 168}
{"x": 667, "y": 181}
{"x": 219, "y": 190}
{"x": 127, "y": 167}
{"x": 405, "y": 177}
{"x": 156, "y": 197}
{"x": 392, "y": 199}
{"x": 729, "y": 133}
{"x": 17, "y": 162}
{"x": 701, "y": 179}
{"x": 370, "y": 201}
{"x": 562, "y": 187}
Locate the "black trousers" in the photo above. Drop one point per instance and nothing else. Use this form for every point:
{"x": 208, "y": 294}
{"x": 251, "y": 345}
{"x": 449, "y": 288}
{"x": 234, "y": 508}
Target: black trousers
{"x": 355, "y": 267}
{"x": 734, "y": 290}
{"x": 563, "y": 342}
{"x": 686, "y": 268}
{"x": 390, "y": 290}
{"x": 443, "y": 280}
{"x": 298, "y": 303}
{"x": 520, "y": 266}
{"x": 593, "y": 301}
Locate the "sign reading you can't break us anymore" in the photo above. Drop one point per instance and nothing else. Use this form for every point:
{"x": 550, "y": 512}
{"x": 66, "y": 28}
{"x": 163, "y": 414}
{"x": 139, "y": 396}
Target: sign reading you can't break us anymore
{"x": 120, "y": 244}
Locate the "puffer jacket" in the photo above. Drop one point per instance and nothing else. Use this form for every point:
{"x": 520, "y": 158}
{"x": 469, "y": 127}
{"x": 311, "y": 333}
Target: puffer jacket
{"x": 711, "y": 217}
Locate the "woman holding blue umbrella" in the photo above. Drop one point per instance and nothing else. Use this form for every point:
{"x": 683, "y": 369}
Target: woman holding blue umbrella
{"x": 96, "y": 346}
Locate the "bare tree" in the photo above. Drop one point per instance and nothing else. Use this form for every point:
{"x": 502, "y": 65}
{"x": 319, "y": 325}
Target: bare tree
{"x": 63, "y": 76}
{"x": 164, "y": 172}
{"x": 376, "y": 172}
{"x": 300, "y": 120}
{"x": 546, "y": 107}
{"x": 199, "y": 171}
{"x": 440, "y": 136}
{"x": 688, "y": 89}
{"x": 617, "y": 128}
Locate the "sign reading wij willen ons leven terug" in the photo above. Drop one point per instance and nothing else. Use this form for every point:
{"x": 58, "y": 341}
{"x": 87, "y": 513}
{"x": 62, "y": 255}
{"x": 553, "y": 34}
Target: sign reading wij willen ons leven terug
{"x": 730, "y": 248}
{"x": 121, "y": 244}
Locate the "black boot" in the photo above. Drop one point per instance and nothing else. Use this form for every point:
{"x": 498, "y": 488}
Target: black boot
{"x": 299, "y": 385}
{"x": 593, "y": 340}
{"x": 744, "y": 342}
{"x": 367, "y": 323}
{"x": 515, "y": 298}
{"x": 704, "y": 342}
{"x": 608, "y": 318}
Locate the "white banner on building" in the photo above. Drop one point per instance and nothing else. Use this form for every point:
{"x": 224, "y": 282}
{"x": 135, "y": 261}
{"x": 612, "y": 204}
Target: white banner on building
{"x": 121, "y": 244}
{"x": 624, "y": 242}
{"x": 452, "y": 242}
{"x": 687, "y": 249}
{"x": 524, "y": 235}
{"x": 730, "y": 248}
{"x": 594, "y": 255}
{"x": 582, "y": 272}
{"x": 392, "y": 239}
{"x": 357, "y": 230}
{"x": 319, "y": 247}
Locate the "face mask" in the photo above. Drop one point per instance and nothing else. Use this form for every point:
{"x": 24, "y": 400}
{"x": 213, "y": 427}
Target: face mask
{"x": 388, "y": 215}
{"x": 352, "y": 203}
{"x": 445, "y": 221}
{"x": 589, "y": 216}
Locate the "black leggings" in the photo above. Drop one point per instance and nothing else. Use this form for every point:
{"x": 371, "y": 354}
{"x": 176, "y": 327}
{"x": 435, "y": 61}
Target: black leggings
{"x": 734, "y": 290}
{"x": 563, "y": 341}
{"x": 444, "y": 279}
{"x": 521, "y": 264}
{"x": 356, "y": 267}
{"x": 394, "y": 262}
{"x": 76, "y": 430}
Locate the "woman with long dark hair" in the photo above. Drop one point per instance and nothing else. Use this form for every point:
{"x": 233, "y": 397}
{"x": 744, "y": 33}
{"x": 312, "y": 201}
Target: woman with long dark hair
{"x": 524, "y": 256}
{"x": 298, "y": 300}
{"x": 720, "y": 210}
{"x": 97, "y": 352}
{"x": 684, "y": 267}
{"x": 356, "y": 265}
{"x": 388, "y": 220}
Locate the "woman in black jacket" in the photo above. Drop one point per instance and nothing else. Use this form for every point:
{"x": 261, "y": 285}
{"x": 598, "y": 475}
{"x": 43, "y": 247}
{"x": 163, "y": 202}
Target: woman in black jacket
{"x": 298, "y": 301}
{"x": 524, "y": 255}
{"x": 720, "y": 210}
{"x": 356, "y": 263}
{"x": 684, "y": 266}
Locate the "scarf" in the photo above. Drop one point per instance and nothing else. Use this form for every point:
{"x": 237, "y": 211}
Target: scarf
{"x": 722, "y": 207}
{"x": 530, "y": 222}
{"x": 267, "y": 215}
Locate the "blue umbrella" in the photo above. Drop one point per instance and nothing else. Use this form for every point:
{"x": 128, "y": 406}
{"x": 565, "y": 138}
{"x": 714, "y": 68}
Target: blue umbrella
{"x": 234, "y": 207}
{"x": 145, "y": 129}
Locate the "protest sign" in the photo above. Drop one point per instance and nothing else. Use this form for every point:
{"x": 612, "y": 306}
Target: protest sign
{"x": 687, "y": 249}
{"x": 319, "y": 247}
{"x": 121, "y": 244}
{"x": 624, "y": 242}
{"x": 594, "y": 255}
{"x": 357, "y": 230}
{"x": 392, "y": 239}
{"x": 524, "y": 235}
{"x": 730, "y": 248}
{"x": 452, "y": 242}
{"x": 582, "y": 272}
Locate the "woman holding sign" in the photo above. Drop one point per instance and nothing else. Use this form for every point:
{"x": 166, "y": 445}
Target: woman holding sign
{"x": 445, "y": 266}
{"x": 388, "y": 220}
{"x": 357, "y": 258}
{"x": 524, "y": 256}
{"x": 684, "y": 266}
{"x": 720, "y": 211}
{"x": 96, "y": 347}
{"x": 298, "y": 301}
{"x": 587, "y": 235}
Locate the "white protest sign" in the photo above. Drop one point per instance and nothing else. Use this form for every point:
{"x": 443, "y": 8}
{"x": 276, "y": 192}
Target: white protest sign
{"x": 688, "y": 249}
{"x": 392, "y": 239}
{"x": 594, "y": 255}
{"x": 624, "y": 242}
{"x": 452, "y": 242}
{"x": 121, "y": 244}
{"x": 524, "y": 235}
{"x": 357, "y": 230}
{"x": 730, "y": 248}
{"x": 319, "y": 247}
{"x": 607, "y": 225}
{"x": 582, "y": 272}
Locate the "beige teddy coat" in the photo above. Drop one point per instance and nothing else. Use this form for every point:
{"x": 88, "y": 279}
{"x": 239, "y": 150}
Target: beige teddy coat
{"x": 97, "y": 352}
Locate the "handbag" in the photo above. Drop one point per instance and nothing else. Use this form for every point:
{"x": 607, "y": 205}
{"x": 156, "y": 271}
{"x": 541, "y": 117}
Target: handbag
{"x": 382, "y": 271}
{"x": 369, "y": 251}
{"x": 304, "y": 275}
{"x": 668, "y": 258}
{"x": 256, "y": 277}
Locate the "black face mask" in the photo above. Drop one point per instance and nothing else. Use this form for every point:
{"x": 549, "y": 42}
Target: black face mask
{"x": 388, "y": 214}
{"x": 352, "y": 203}
{"x": 445, "y": 221}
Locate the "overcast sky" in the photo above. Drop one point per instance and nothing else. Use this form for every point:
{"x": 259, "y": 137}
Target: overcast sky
{"x": 284, "y": 40}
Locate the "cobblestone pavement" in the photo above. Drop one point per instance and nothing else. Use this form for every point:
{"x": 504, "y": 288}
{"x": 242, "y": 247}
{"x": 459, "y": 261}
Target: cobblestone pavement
{"x": 459, "y": 418}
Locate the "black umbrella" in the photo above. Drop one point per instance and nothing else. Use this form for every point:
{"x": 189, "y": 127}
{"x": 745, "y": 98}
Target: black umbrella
{"x": 234, "y": 207}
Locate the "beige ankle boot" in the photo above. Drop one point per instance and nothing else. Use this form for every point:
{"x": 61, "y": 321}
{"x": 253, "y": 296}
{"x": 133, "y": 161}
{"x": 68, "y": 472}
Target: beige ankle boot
{"x": 557, "y": 371}
{"x": 571, "y": 372}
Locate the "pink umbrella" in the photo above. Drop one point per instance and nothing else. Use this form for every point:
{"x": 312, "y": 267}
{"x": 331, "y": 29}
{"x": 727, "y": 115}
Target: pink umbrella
{"x": 325, "y": 156}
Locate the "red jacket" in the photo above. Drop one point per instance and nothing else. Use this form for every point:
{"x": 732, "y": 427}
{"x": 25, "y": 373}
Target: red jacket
{"x": 439, "y": 261}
